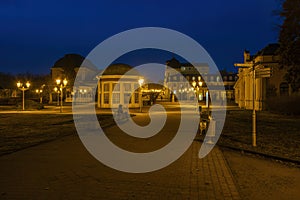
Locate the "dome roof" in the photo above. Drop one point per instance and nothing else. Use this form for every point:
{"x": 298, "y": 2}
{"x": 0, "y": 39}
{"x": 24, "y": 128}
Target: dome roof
{"x": 72, "y": 61}
{"x": 120, "y": 69}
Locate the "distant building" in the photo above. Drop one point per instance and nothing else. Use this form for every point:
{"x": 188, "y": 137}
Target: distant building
{"x": 67, "y": 68}
{"x": 119, "y": 84}
{"x": 179, "y": 78}
{"x": 184, "y": 81}
{"x": 269, "y": 78}
{"x": 229, "y": 80}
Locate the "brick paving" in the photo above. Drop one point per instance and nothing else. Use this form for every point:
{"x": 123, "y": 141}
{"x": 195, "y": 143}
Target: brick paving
{"x": 63, "y": 169}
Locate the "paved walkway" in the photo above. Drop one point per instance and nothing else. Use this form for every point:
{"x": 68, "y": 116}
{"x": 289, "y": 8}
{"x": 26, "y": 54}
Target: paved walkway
{"x": 63, "y": 169}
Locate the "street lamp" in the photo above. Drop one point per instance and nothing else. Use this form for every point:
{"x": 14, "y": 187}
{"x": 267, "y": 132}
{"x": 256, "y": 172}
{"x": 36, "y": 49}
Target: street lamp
{"x": 39, "y": 91}
{"x": 21, "y": 87}
{"x": 57, "y": 91}
{"x": 141, "y": 82}
{"x": 196, "y": 87}
{"x": 62, "y": 85}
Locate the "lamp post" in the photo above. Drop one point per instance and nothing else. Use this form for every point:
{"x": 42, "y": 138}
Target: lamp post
{"x": 57, "y": 91}
{"x": 21, "y": 87}
{"x": 62, "y": 85}
{"x": 141, "y": 82}
{"x": 39, "y": 91}
{"x": 196, "y": 87}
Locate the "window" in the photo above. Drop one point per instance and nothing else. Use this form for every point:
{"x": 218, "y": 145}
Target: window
{"x": 284, "y": 89}
{"x": 127, "y": 98}
{"x": 136, "y": 97}
{"x": 127, "y": 86}
{"x": 182, "y": 68}
{"x": 106, "y": 98}
{"x": 116, "y": 87}
{"x": 106, "y": 87}
{"x": 116, "y": 98}
{"x": 230, "y": 78}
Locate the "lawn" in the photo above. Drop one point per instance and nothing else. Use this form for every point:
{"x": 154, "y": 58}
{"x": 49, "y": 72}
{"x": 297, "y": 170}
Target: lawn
{"x": 277, "y": 135}
{"x": 18, "y": 131}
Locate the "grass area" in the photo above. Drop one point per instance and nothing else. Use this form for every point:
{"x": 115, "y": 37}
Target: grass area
{"x": 277, "y": 135}
{"x": 18, "y": 131}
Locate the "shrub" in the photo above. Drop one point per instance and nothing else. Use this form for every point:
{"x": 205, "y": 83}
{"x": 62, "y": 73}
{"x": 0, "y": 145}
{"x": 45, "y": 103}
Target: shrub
{"x": 284, "y": 105}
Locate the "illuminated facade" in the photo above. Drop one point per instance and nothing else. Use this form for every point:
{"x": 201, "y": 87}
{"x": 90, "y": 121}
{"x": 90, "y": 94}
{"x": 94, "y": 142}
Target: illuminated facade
{"x": 119, "y": 84}
{"x": 194, "y": 84}
{"x": 269, "y": 79}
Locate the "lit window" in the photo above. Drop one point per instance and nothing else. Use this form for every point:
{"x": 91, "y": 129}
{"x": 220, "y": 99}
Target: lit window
{"x": 127, "y": 86}
{"x": 106, "y": 98}
{"x": 127, "y": 98}
{"x": 116, "y": 98}
{"x": 106, "y": 87}
{"x": 116, "y": 87}
{"x": 136, "y": 97}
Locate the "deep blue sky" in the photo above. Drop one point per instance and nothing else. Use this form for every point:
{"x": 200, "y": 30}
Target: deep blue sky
{"x": 34, "y": 33}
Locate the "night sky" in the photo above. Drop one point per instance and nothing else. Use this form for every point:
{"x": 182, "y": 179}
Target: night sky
{"x": 34, "y": 33}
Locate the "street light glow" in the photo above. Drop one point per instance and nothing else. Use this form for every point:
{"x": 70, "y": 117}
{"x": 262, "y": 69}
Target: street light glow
{"x": 62, "y": 85}
{"x": 141, "y": 81}
{"x": 65, "y": 82}
{"x": 23, "y": 89}
{"x": 27, "y": 84}
{"x": 19, "y": 84}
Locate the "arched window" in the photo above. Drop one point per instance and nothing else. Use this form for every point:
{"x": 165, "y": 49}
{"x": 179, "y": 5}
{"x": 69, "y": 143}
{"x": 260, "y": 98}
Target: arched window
{"x": 284, "y": 89}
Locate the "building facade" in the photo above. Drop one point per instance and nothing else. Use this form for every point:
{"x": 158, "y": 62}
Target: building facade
{"x": 260, "y": 75}
{"x": 119, "y": 84}
{"x": 67, "y": 68}
{"x": 184, "y": 81}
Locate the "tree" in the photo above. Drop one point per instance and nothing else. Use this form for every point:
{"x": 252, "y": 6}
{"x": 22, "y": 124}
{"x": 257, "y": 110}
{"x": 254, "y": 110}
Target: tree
{"x": 289, "y": 40}
{"x": 6, "y": 81}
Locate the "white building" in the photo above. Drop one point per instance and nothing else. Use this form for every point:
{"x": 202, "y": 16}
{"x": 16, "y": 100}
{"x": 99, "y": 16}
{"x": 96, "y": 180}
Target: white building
{"x": 269, "y": 79}
{"x": 119, "y": 84}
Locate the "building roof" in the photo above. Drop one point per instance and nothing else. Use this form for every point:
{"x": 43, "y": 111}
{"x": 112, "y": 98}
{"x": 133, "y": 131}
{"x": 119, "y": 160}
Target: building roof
{"x": 174, "y": 63}
{"x": 270, "y": 49}
{"x": 72, "y": 61}
{"x": 120, "y": 69}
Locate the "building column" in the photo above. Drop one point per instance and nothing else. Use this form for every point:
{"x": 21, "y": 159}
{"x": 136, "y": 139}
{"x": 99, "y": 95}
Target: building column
{"x": 99, "y": 94}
